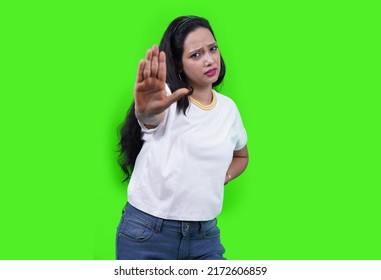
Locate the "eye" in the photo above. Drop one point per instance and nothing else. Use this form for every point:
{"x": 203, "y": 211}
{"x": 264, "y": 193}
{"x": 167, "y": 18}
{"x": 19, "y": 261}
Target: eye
{"x": 195, "y": 55}
{"x": 214, "y": 48}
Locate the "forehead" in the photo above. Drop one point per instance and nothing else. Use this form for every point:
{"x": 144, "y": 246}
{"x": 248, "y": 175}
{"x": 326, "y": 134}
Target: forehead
{"x": 198, "y": 38}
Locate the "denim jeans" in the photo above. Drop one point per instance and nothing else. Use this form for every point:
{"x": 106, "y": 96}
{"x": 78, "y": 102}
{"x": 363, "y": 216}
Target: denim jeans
{"x": 141, "y": 236}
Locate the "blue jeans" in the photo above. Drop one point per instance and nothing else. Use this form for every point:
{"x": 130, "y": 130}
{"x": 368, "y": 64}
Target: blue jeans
{"x": 141, "y": 236}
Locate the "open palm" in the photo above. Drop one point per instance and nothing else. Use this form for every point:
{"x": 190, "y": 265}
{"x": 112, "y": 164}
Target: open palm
{"x": 149, "y": 91}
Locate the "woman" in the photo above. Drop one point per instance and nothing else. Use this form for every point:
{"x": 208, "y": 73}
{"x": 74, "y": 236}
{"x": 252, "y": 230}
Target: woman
{"x": 184, "y": 141}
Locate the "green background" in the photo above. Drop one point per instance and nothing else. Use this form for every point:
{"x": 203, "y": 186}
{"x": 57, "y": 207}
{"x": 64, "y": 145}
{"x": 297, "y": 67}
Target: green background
{"x": 304, "y": 74}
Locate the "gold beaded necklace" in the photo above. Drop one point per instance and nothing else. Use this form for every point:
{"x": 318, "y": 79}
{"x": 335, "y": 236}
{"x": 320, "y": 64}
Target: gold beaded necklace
{"x": 202, "y": 106}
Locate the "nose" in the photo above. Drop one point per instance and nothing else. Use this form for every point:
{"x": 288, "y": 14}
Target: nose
{"x": 208, "y": 60}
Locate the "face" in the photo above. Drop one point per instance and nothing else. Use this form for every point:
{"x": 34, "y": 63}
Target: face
{"x": 201, "y": 58}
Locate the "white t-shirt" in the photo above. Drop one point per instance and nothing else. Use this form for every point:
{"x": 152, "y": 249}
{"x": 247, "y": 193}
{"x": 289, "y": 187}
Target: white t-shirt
{"x": 180, "y": 171}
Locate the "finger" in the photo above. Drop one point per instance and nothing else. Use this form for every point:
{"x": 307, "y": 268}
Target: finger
{"x": 155, "y": 61}
{"x": 176, "y": 95}
{"x": 155, "y": 50}
{"x": 147, "y": 67}
{"x": 162, "y": 73}
{"x": 139, "y": 73}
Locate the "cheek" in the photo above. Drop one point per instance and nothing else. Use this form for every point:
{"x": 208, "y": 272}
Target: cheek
{"x": 190, "y": 69}
{"x": 218, "y": 59}
{"x": 186, "y": 70}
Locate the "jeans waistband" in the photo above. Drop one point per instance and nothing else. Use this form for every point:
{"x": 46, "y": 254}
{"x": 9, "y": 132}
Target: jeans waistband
{"x": 158, "y": 223}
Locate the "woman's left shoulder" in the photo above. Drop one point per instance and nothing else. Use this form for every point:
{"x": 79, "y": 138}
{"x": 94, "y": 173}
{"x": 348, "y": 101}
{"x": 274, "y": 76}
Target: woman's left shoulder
{"x": 225, "y": 100}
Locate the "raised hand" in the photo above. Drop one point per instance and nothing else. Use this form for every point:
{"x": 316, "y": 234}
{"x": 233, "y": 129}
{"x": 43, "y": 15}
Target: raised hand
{"x": 149, "y": 91}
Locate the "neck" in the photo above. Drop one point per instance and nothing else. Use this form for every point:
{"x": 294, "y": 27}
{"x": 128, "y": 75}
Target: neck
{"x": 203, "y": 95}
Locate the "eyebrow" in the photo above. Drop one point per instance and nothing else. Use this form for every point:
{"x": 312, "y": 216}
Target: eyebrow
{"x": 210, "y": 45}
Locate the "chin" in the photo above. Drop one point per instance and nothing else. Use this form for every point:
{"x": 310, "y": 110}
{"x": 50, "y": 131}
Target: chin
{"x": 215, "y": 80}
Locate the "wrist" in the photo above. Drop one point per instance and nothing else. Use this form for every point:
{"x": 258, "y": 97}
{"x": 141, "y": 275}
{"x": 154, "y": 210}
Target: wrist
{"x": 150, "y": 120}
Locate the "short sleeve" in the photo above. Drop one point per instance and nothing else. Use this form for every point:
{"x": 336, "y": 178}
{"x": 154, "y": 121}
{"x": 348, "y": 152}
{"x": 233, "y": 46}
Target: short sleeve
{"x": 241, "y": 135}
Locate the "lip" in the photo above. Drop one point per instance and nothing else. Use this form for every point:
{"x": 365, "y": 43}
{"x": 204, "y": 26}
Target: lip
{"x": 211, "y": 72}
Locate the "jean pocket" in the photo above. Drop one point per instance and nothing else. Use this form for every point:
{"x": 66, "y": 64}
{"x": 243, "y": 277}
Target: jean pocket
{"x": 211, "y": 230}
{"x": 135, "y": 230}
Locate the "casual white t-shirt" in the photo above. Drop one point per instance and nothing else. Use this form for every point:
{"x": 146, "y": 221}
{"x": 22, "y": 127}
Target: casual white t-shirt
{"x": 180, "y": 171}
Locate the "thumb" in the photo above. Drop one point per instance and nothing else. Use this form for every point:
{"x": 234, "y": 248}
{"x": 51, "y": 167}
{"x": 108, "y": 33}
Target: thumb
{"x": 178, "y": 94}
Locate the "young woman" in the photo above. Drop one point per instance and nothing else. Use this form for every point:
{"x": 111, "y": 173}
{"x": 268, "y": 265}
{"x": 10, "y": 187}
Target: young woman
{"x": 183, "y": 142}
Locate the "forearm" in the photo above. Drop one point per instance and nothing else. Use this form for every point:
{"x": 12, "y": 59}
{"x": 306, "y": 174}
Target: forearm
{"x": 238, "y": 165}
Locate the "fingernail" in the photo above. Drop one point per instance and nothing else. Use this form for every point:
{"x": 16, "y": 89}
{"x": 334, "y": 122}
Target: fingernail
{"x": 190, "y": 91}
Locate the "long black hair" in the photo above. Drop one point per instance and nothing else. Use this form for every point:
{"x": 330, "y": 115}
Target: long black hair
{"x": 172, "y": 44}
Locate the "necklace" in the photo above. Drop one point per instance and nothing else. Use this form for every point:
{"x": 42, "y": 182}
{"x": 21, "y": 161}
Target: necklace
{"x": 202, "y": 106}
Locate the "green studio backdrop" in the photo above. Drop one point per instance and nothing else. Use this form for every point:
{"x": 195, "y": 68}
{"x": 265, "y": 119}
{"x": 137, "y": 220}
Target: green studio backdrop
{"x": 304, "y": 74}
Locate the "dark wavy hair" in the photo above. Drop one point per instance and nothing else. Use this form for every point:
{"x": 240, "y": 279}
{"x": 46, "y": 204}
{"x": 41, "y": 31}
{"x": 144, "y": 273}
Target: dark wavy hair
{"x": 172, "y": 44}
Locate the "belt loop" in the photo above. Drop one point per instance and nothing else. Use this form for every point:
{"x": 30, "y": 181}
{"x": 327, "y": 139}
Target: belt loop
{"x": 124, "y": 208}
{"x": 201, "y": 227}
{"x": 158, "y": 225}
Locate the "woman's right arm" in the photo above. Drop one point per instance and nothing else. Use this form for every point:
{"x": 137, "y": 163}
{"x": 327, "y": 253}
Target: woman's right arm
{"x": 150, "y": 97}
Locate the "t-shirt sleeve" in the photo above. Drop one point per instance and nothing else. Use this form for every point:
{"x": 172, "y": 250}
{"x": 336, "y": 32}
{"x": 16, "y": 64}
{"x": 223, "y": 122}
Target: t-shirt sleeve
{"x": 241, "y": 136}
